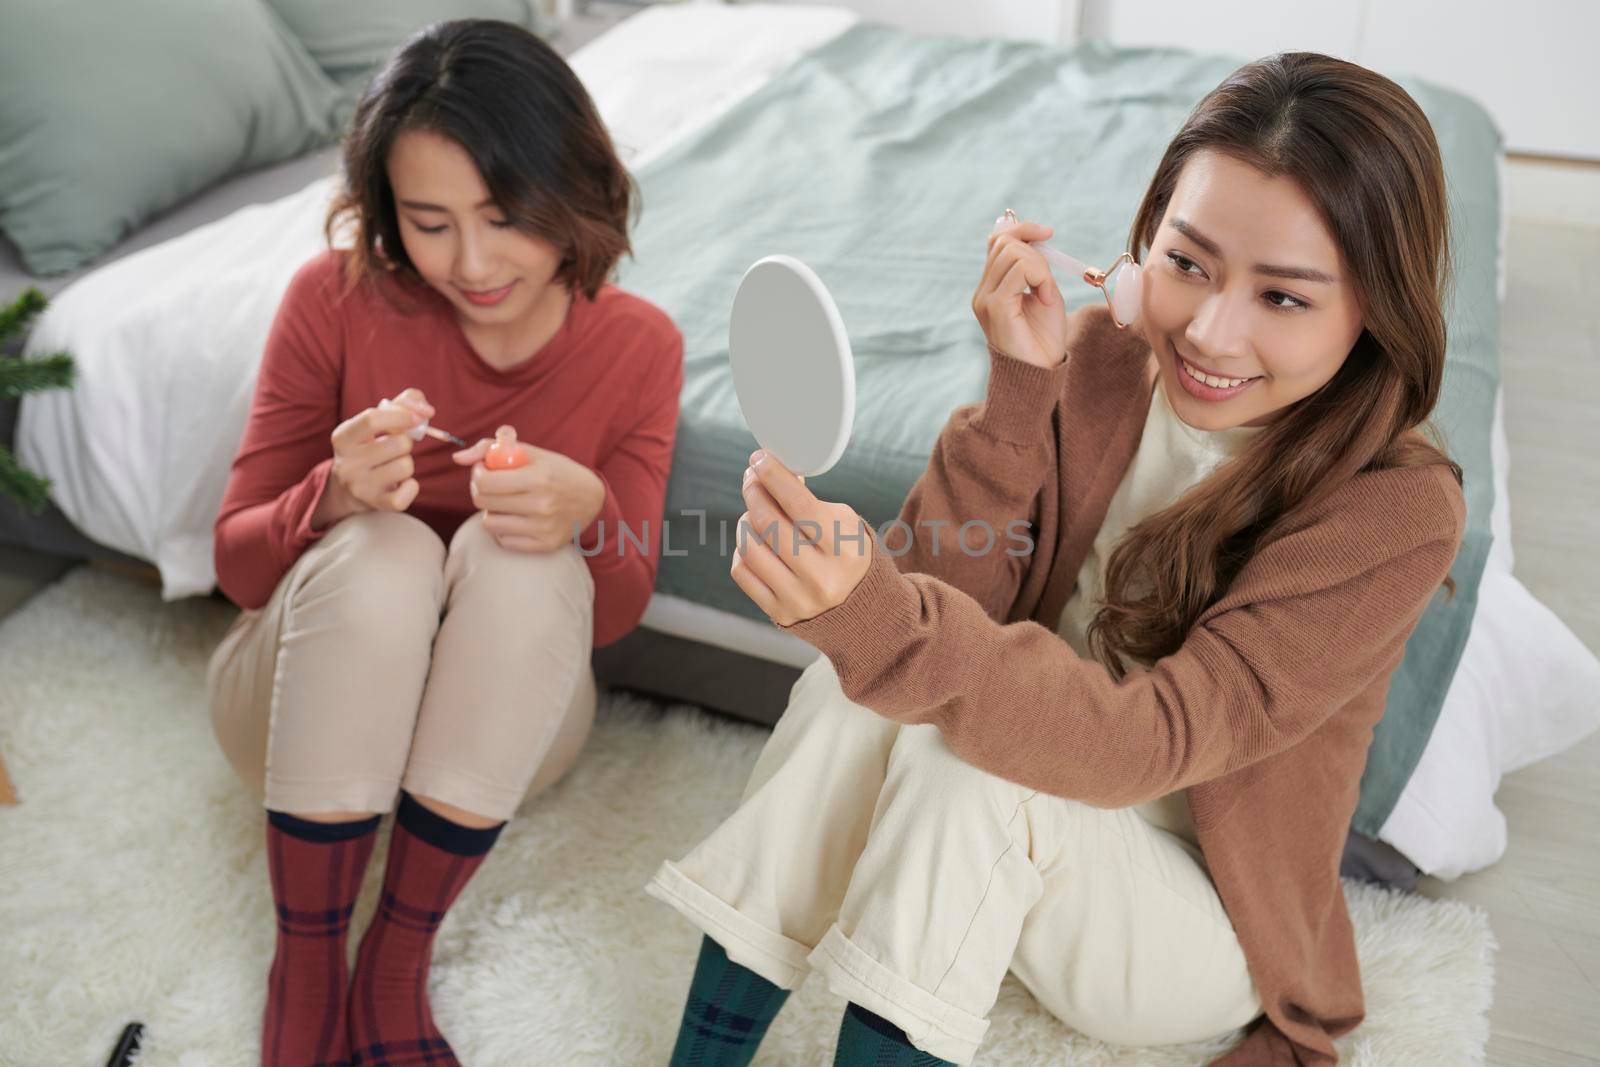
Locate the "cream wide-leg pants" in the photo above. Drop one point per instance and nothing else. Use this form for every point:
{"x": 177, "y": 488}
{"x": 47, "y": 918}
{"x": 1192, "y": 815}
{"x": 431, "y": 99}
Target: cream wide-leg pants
{"x": 913, "y": 881}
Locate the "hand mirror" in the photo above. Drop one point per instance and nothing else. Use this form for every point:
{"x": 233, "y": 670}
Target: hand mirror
{"x": 792, "y": 367}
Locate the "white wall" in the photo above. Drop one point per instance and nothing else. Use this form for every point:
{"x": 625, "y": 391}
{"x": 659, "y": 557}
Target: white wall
{"x": 1556, "y": 191}
{"x": 1531, "y": 63}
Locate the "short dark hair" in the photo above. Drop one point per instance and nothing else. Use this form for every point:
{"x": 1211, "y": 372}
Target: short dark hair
{"x": 526, "y": 121}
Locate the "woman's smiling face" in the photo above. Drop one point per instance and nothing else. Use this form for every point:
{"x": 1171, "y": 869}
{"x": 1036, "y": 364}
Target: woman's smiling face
{"x": 459, "y": 239}
{"x": 1244, "y": 281}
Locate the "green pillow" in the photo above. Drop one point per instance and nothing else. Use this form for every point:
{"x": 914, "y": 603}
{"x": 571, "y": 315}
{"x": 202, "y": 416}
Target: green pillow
{"x": 110, "y": 113}
{"x": 350, "y": 38}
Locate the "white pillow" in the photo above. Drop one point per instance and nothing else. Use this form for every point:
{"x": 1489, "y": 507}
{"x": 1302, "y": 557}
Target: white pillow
{"x": 166, "y": 342}
{"x": 1500, "y": 554}
{"x": 1525, "y": 690}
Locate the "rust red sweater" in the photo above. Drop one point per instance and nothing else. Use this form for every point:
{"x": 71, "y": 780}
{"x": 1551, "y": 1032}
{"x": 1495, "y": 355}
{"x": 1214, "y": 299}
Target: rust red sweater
{"x": 603, "y": 391}
{"x": 1264, "y": 714}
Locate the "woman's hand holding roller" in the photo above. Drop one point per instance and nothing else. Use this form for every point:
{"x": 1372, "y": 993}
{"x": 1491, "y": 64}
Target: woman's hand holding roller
{"x": 1032, "y": 325}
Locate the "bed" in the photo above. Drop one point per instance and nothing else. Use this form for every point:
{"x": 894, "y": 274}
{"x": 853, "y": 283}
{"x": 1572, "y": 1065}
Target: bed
{"x": 818, "y": 136}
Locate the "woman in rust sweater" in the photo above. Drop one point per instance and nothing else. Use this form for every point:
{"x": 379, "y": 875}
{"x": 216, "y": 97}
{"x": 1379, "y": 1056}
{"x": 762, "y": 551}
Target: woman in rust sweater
{"x": 1121, "y": 765}
{"x": 418, "y": 622}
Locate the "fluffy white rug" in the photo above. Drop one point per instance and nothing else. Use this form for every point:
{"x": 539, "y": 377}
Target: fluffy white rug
{"x": 133, "y": 883}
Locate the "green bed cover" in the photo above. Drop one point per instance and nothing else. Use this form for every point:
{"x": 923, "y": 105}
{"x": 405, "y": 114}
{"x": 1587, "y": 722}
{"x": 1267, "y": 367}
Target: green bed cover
{"x": 881, "y": 159}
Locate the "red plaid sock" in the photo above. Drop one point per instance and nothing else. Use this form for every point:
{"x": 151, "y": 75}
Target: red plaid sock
{"x": 430, "y": 860}
{"x": 316, "y": 871}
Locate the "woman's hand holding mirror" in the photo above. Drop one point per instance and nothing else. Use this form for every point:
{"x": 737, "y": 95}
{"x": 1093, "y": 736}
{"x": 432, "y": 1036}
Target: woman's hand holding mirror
{"x": 794, "y": 555}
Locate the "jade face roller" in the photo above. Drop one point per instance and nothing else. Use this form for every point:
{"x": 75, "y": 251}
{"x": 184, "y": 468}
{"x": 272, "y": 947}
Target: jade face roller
{"x": 1123, "y": 291}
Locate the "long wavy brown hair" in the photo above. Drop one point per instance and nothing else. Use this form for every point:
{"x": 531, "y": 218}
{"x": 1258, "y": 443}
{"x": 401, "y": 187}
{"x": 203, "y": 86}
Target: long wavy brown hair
{"x": 531, "y": 128}
{"x": 1365, "y": 154}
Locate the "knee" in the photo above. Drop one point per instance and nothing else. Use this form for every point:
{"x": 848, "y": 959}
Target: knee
{"x": 818, "y": 689}
{"x": 818, "y": 677}
{"x": 376, "y": 566}
{"x": 471, "y": 539}
{"x": 818, "y": 707}
{"x": 824, "y": 733}
{"x": 378, "y": 545}
{"x": 480, "y": 559}
{"x": 926, "y": 775}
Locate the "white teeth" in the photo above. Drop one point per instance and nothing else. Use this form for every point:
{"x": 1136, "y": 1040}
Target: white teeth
{"x": 1212, "y": 380}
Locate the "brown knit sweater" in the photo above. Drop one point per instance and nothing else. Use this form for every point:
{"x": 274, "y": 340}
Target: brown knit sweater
{"x": 1264, "y": 714}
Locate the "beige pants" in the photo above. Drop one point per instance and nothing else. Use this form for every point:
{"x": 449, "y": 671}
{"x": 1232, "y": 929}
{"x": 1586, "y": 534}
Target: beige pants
{"x": 385, "y": 661}
{"x": 913, "y": 882}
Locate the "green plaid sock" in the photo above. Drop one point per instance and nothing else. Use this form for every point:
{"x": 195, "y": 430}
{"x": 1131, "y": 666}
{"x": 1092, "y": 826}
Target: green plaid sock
{"x": 866, "y": 1040}
{"x": 729, "y": 1010}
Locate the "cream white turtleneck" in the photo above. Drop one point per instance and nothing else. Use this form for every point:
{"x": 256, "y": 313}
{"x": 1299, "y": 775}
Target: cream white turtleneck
{"x": 1171, "y": 458}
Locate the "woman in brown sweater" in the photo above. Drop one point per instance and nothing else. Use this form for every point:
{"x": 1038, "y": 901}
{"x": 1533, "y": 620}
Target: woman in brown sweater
{"x": 1121, "y": 762}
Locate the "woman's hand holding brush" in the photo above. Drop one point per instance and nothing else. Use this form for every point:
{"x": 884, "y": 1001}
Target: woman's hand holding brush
{"x": 372, "y": 464}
